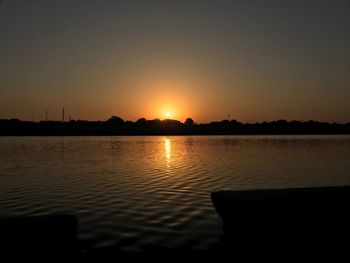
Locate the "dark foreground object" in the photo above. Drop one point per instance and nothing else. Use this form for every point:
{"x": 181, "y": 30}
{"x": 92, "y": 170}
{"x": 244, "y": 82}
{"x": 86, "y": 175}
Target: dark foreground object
{"x": 49, "y": 238}
{"x": 299, "y": 224}
{"x": 290, "y": 225}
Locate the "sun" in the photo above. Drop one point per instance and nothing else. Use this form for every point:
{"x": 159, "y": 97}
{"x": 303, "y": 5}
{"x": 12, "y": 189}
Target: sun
{"x": 167, "y": 115}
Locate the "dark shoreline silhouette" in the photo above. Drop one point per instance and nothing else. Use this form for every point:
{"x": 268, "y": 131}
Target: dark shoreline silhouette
{"x": 279, "y": 225}
{"x": 117, "y": 126}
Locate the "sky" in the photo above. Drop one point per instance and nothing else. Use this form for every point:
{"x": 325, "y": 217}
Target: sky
{"x": 252, "y": 60}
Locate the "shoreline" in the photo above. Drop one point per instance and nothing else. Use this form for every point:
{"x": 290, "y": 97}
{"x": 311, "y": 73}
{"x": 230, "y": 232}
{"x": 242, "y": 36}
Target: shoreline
{"x": 119, "y": 127}
{"x": 165, "y": 134}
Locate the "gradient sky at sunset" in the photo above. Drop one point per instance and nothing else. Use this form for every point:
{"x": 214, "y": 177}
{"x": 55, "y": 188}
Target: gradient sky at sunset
{"x": 255, "y": 60}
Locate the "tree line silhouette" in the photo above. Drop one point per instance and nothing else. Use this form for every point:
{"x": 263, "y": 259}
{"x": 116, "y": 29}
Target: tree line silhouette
{"x": 117, "y": 126}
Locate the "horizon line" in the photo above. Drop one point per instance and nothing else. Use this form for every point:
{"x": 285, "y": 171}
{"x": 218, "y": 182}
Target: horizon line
{"x": 175, "y": 120}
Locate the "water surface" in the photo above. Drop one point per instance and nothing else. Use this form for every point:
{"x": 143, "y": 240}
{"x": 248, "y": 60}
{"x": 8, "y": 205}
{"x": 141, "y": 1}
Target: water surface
{"x": 157, "y": 189}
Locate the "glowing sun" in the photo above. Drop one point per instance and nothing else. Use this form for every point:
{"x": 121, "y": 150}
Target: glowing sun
{"x": 167, "y": 115}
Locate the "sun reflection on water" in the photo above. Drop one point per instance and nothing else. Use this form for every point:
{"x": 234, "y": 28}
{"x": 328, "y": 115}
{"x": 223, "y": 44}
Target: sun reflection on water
{"x": 167, "y": 146}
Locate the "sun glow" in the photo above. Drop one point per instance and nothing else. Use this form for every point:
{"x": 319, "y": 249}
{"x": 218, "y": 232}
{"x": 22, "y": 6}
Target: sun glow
{"x": 167, "y": 106}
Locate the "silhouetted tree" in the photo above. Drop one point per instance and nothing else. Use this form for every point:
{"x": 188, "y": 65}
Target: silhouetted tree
{"x": 141, "y": 121}
{"x": 235, "y": 122}
{"x": 170, "y": 122}
{"x": 189, "y": 122}
{"x": 115, "y": 120}
{"x": 225, "y": 122}
{"x": 116, "y": 125}
{"x": 282, "y": 122}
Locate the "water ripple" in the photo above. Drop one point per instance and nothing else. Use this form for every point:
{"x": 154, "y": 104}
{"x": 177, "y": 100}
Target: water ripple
{"x": 156, "y": 190}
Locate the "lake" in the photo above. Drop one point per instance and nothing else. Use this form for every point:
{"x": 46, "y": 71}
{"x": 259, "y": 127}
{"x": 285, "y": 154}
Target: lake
{"x": 156, "y": 189}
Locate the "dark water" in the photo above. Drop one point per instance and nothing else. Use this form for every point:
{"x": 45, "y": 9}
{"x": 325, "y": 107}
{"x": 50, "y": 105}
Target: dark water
{"x": 156, "y": 189}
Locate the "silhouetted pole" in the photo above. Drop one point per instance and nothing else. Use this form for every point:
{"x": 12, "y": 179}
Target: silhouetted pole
{"x": 63, "y": 115}
{"x": 46, "y": 114}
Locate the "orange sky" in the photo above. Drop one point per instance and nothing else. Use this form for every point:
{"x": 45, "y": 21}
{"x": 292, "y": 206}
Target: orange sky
{"x": 257, "y": 61}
